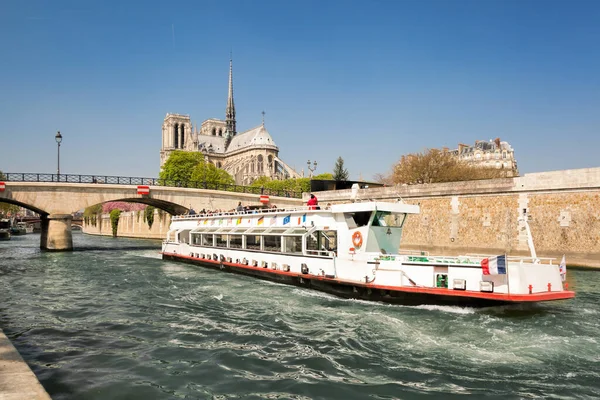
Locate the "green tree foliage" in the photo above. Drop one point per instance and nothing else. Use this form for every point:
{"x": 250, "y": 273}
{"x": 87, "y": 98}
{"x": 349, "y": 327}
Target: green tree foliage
{"x": 212, "y": 175}
{"x": 189, "y": 168}
{"x": 179, "y": 166}
{"x": 149, "y": 216}
{"x": 114, "y": 220}
{"x": 91, "y": 214}
{"x": 326, "y": 176}
{"x": 435, "y": 165}
{"x": 339, "y": 172}
{"x": 297, "y": 185}
{"x": 2, "y": 176}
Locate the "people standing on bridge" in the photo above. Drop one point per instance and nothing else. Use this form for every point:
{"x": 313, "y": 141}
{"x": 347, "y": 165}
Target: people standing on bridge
{"x": 313, "y": 203}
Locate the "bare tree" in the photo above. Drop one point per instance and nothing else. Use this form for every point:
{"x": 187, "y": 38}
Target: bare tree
{"x": 435, "y": 165}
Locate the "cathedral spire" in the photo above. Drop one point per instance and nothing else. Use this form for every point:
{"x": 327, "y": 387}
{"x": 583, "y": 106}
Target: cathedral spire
{"x": 230, "y": 110}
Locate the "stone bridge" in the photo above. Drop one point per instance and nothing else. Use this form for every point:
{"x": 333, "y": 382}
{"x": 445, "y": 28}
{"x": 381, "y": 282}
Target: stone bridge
{"x": 57, "y": 201}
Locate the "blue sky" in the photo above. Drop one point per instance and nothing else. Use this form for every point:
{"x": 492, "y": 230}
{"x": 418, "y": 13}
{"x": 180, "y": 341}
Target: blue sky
{"x": 368, "y": 81}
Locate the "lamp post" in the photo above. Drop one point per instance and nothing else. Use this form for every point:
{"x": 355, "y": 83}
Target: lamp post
{"x": 58, "y": 138}
{"x": 311, "y": 169}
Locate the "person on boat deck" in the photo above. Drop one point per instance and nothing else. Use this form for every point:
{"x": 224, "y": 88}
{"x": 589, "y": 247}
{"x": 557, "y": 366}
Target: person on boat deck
{"x": 240, "y": 207}
{"x": 313, "y": 203}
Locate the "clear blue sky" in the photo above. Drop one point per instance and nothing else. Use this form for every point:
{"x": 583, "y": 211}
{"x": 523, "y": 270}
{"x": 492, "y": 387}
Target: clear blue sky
{"x": 368, "y": 81}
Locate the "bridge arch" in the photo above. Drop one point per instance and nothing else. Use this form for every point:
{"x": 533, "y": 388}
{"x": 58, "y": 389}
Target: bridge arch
{"x": 24, "y": 205}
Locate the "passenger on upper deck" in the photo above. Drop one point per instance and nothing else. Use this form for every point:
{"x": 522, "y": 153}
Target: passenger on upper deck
{"x": 240, "y": 207}
{"x": 313, "y": 203}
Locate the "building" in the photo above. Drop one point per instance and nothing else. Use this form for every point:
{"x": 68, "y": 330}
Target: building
{"x": 492, "y": 154}
{"x": 245, "y": 156}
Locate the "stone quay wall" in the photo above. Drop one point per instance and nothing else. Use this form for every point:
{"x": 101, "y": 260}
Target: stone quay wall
{"x": 483, "y": 217}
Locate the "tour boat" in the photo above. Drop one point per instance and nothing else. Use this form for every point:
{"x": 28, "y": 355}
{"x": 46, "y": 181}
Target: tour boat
{"x": 354, "y": 251}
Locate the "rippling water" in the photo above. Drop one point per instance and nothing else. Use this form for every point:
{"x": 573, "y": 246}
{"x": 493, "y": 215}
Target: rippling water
{"x": 113, "y": 321}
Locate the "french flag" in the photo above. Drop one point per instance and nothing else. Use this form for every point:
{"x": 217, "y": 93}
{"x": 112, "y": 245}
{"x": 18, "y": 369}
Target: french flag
{"x": 494, "y": 265}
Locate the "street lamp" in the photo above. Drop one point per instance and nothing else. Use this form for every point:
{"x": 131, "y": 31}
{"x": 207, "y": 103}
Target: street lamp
{"x": 58, "y": 138}
{"x": 311, "y": 169}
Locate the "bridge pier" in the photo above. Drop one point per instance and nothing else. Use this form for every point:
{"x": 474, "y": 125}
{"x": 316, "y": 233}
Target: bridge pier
{"x": 56, "y": 232}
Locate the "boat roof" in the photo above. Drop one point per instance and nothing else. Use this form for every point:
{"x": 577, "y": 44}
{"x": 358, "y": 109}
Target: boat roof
{"x": 397, "y": 207}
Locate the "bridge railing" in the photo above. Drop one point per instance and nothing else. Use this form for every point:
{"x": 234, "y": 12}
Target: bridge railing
{"x": 121, "y": 180}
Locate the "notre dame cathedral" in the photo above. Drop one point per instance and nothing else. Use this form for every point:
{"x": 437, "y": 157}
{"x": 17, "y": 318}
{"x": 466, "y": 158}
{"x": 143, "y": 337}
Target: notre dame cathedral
{"x": 245, "y": 156}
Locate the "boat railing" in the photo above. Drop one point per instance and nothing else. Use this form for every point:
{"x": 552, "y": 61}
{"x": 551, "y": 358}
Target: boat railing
{"x": 245, "y": 213}
{"x": 526, "y": 259}
{"x": 413, "y": 253}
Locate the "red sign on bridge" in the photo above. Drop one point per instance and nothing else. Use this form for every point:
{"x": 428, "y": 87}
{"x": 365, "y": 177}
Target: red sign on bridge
{"x": 2, "y": 186}
{"x": 143, "y": 189}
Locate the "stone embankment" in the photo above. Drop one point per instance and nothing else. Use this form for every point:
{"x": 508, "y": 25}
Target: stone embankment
{"x": 17, "y": 381}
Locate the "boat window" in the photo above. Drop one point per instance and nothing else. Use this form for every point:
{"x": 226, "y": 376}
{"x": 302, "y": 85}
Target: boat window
{"x": 235, "y": 241}
{"x": 360, "y": 218}
{"x": 292, "y": 244}
{"x": 386, "y": 218}
{"x": 321, "y": 242}
{"x": 272, "y": 243}
{"x": 196, "y": 238}
{"x": 275, "y": 231}
{"x": 207, "y": 239}
{"x": 295, "y": 231}
{"x": 221, "y": 240}
{"x": 253, "y": 242}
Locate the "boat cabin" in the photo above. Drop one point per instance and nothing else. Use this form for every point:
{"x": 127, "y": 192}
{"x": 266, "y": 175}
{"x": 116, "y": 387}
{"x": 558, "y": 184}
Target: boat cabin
{"x": 343, "y": 230}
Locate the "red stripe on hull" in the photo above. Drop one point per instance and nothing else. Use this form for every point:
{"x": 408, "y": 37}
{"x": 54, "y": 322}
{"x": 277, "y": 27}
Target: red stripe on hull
{"x": 461, "y": 296}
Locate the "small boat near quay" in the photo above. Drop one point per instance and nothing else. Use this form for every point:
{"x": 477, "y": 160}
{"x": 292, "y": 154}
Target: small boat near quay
{"x": 354, "y": 251}
{"x": 4, "y": 229}
{"x": 20, "y": 228}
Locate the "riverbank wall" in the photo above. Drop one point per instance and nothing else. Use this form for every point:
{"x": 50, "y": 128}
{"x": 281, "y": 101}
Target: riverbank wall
{"x": 562, "y": 208}
{"x": 17, "y": 381}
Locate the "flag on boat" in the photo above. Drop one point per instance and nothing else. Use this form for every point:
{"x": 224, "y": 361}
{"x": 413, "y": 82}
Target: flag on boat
{"x": 562, "y": 268}
{"x": 302, "y": 219}
{"x": 286, "y": 219}
{"x": 239, "y": 221}
{"x": 261, "y": 220}
{"x": 273, "y": 220}
{"x": 494, "y": 265}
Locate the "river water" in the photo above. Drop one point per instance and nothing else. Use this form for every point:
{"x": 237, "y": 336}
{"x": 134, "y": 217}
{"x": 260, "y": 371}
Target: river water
{"x": 111, "y": 320}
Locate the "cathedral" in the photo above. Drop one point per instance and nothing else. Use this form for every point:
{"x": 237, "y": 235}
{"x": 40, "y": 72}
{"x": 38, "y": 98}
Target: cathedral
{"x": 245, "y": 156}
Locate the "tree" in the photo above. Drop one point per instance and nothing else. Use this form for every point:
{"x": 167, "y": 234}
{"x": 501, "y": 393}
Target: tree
{"x": 213, "y": 176}
{"x": 339, "y": 172}
{"x": 297, "y": 185}
{"x": 179, "y": 166}
{"x": 325, "y": 176}
{"x": 383, "y": 178}
{"x": 186, "y": 167}
{"x": 435, "y": 165}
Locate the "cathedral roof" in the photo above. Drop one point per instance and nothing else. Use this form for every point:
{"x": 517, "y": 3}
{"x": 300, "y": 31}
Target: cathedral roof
{"x": 258, "y": 136}
{"x": 214, "y": 144}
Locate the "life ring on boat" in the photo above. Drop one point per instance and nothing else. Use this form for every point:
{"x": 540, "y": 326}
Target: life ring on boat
{"x": 357, "y": 239}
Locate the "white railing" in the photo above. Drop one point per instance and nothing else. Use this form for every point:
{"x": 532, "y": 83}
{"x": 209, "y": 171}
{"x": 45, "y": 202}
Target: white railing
{"x": 245, "y": 213}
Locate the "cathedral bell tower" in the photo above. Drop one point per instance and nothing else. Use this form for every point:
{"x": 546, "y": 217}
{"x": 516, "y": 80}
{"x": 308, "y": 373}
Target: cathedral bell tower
{"x": 230, "y": 131}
